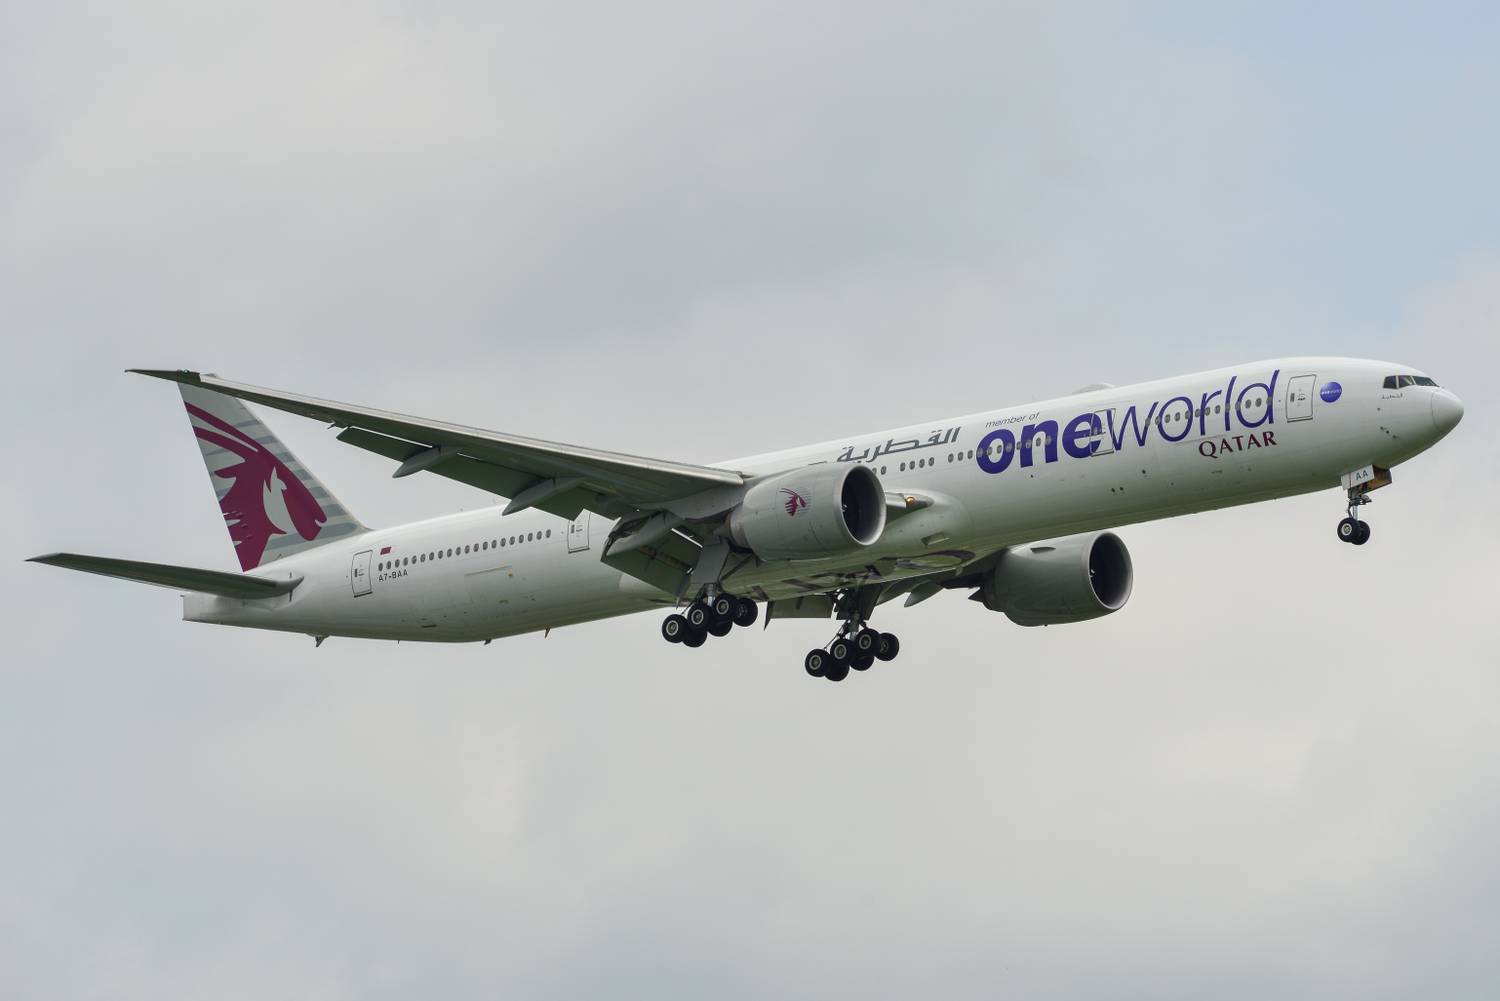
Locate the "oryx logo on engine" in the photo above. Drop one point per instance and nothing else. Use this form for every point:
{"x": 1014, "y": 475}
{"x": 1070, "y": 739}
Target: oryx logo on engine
{"x": 794, "y": 501}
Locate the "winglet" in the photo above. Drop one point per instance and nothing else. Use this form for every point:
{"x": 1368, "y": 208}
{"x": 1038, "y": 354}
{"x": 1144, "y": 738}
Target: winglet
{"x": 170, "y": 374}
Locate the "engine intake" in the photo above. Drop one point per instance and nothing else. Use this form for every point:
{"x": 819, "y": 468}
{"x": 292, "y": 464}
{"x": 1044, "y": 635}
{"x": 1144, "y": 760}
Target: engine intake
{"x": 811, "y": 513}
{"x": 1065, "y": 580}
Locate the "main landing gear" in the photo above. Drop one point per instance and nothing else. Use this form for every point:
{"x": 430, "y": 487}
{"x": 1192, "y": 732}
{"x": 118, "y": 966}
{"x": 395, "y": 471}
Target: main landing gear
{"x": 855, "y": 648}
{"x": 714, "y": 617}
{"x": 1351, "y": 529}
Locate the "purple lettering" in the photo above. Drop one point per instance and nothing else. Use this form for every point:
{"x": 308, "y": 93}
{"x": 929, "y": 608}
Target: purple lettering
{"x": 1028, "y": 435}
{"x": 1203, "y": 412}
{"x": 996, "y": 463}
{"x": 1076, "y": 439}
{"x": 1186, "y": 422}
{"x": 1138, "y": 431}
{"x": 1268, "y": 416}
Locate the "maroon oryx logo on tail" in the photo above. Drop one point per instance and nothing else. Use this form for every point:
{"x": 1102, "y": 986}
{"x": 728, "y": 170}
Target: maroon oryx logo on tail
{"x": 794, "y": 501}
{"x": 265, "y": 498}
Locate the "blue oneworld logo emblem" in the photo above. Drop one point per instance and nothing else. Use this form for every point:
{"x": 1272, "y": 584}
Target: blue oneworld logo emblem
{"x": 1331, "y": 392}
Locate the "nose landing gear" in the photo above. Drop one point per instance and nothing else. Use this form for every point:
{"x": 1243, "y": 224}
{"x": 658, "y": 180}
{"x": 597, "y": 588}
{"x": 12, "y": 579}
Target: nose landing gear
{"x": 1351, "y": 529}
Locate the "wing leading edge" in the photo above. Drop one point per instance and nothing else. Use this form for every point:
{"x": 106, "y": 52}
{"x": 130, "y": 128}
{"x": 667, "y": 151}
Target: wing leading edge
{"x": 558, "y": 478}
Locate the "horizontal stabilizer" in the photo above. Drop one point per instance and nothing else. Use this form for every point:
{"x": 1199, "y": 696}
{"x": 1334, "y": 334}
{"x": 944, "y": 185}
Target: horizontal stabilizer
{"x": 227, "y": 585}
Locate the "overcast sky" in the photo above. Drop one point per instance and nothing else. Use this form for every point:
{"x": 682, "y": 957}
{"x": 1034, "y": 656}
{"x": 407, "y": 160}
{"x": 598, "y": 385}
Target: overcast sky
{"x": 696, "y": 234}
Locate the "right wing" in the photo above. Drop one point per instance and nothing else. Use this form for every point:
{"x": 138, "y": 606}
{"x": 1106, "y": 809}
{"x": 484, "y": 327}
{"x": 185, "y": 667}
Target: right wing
{"x": 227, "y": 585}
{"x": 557, "y": 478}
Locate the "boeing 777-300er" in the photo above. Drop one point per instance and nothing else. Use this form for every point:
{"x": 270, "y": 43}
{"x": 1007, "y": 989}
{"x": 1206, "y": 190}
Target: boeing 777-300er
{"x": 1013, "y": 506}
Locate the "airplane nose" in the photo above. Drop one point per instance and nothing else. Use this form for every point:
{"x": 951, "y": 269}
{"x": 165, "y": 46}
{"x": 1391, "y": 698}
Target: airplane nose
{"x": 1447, "y": 411}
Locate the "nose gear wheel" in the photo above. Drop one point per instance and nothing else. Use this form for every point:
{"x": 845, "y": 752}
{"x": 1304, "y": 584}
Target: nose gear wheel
{"x": 1351, "y": 529}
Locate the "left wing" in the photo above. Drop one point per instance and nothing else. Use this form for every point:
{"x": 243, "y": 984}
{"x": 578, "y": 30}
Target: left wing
{"x": 227, "y": 585}
{"x": 557, "y": 478}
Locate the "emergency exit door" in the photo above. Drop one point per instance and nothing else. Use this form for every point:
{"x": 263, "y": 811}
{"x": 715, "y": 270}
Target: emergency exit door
{"x": 1299, "y": 398}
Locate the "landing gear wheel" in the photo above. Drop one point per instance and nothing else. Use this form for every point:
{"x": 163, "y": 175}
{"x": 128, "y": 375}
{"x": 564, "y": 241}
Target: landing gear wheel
{"x": 1348, "y": 530}
{"x": 840, "y": 651}
{"x": 673, "y": 628}
{"x": 1363, "y": 535}
{"x": 720, "y": 628}
{"x": 746, "y": 613}
{"x": 888, "y": 648}
{"x": 694, "y": 638}
{"x": 862, "y": 662}
{"x": 698, "y": 616}
{"x": 837, "y": 671}
{"x": 723, "y": 607}
{"x": 816, "y": 662}
{"x": 867, "y": 641}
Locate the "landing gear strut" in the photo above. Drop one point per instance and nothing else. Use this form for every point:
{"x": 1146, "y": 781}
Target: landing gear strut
{"x": 1351, "y": 529}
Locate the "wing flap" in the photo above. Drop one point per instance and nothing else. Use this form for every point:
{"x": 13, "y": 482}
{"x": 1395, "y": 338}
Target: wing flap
{"x": 227, "y": 585}
{"x": 486, "y": 476}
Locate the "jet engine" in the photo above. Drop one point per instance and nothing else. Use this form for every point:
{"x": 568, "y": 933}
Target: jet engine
{"x": 1064, "y": 580}
{"x": 811, "y": 513}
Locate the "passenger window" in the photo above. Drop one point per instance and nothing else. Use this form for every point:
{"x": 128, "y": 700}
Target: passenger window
{"x": 549, "y": 533}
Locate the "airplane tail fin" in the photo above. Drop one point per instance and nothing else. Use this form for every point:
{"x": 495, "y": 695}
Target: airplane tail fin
{"x": 272, "y": 505}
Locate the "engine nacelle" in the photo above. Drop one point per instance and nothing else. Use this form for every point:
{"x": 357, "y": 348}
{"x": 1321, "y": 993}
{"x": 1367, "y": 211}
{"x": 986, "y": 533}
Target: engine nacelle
{"x": 1065, "y": 580}
{"x": 812, "y": 513}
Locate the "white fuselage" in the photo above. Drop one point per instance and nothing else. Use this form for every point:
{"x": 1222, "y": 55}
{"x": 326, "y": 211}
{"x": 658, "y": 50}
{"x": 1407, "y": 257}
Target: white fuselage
{"x": 1256, "y": 432}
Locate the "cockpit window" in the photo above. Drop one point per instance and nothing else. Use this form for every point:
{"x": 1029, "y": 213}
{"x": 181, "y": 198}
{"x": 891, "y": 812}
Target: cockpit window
{"x": 1422, "y": 380}
{"x": 1390, "y": 382}
{"x": 1402, "y": 381}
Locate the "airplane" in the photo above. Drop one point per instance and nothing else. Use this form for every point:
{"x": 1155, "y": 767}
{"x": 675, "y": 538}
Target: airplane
{"x": 1014, "y": 506}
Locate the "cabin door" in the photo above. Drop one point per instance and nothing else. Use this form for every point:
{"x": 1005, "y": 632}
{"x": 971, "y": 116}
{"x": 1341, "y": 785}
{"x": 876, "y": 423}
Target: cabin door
{"x": 1299, "y": 398}
{"x": 578, "y": 533}
{"x": 359, "y": 573}
{"x": 1099, "y": 439}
